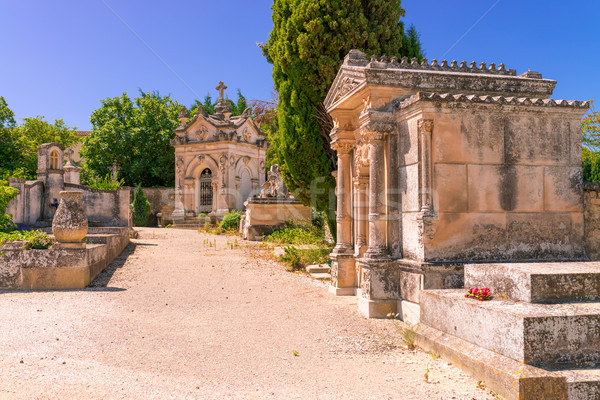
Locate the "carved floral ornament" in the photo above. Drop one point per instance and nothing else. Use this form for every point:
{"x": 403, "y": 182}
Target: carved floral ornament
{"x": 361, "y": 157}
{"x": 346, "y": 85}
{"x": 342, "y": 147}
{"x": 425, "y": 126}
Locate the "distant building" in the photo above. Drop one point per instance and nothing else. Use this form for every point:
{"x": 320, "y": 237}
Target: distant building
{"x": 219, "y": 160}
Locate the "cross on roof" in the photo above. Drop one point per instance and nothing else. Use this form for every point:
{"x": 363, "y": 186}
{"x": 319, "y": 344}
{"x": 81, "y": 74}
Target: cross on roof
{"x": 221, "y": 88}
{"x": 114, "y": 169}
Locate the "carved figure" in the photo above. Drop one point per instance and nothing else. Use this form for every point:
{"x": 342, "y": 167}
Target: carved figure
{"x": 274, "y": 185}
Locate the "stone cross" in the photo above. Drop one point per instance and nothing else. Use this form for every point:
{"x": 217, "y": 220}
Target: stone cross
{"x": 114, "y": 170}
{"x": 70, "y": 154}
{"x": 221, "y": 88}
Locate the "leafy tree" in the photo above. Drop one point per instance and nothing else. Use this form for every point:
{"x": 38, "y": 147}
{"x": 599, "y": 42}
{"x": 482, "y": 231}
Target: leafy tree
{"x": 7, "y": 193}
{"x": 306, "y": 46}
{"x": 141, "y": 207}
{"x": 237, "y": 108}
{"x": 136, "y": 136}
{"x": 18, "y": 143}
{"x": 590, "y": 130}
{"x": 35, "y": 131}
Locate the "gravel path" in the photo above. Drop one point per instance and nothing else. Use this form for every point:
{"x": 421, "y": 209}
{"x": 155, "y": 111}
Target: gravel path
{"x": 176, "y": 318}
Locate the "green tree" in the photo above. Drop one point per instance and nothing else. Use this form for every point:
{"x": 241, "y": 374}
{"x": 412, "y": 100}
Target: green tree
{"x": 306, "y": 46}
{"x": 35, "y": 131}
{"x": 10, "y": 154}
{"x": 141, "y": 207}
{"x": 590, "y": 131}
{"x": 18, "y": 143}
{"x": 237, "y": 108}
{"x": 136, "y": 136}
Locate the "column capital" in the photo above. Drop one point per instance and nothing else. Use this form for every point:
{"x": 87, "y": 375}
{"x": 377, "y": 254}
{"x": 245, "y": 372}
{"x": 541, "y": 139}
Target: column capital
{"x": 342, "y": 147}
{"x": 375, "y": 125}
{"x": 425, "y": 126}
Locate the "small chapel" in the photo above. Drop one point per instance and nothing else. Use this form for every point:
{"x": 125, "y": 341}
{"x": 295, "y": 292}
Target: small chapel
{"x": 219, "y": 160}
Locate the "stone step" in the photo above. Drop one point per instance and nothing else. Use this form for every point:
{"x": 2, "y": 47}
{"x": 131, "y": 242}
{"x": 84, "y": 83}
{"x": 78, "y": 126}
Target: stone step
{"x": 507, "y": 377}
{"x": 553, "y": 335}
{"x": 582, "y": 384}
{"x": 321, "y": 276}
{"x": 318, "y": 269}
{"x": 538, "y": 282}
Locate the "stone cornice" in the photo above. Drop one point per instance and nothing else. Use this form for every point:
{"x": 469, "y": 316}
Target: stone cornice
{"x": 486, "y": 99}
{"x": 357, "y": 72}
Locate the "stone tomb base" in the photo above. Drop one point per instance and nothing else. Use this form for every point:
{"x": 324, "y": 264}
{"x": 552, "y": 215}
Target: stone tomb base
{"x": 536, "y": 339}
{"x": 61, "y": 268}
{"x": 264, "y": 215}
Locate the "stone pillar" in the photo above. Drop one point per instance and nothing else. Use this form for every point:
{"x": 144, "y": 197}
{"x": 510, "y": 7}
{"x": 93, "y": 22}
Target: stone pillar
{"x": 362, "y": 207}
{"x": 379, "y": 282}
{"x": 343, "y": 270}
{"x": 179, "y": 213}
{"x": 377, "y": 207}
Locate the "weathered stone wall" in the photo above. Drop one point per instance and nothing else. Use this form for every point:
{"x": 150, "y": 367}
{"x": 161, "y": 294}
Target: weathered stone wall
{"x": 508, "y": 178}
{"x": 162, "y": 200}
{"x": 591, "y": 215}
{"x": 61, "y": 268}
{"x": 26, "y": 207}
{"x": 107, "y": 207}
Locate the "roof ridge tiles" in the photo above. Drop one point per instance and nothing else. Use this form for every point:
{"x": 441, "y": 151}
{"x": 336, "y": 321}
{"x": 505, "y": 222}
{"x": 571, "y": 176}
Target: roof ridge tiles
{"x": 474, "y": 98}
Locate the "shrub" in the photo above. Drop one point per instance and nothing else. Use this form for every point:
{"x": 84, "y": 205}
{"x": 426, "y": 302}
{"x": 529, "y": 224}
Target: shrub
{"x": 231, "y": 220}
{"x": 32, "y": 239}
{"x": 141, "y": 208}
{"x": 7, "y": 193}
{"x": 105, "y": 183}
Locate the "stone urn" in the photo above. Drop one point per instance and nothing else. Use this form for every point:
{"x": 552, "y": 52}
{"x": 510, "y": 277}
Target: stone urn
{"x": 70, "y": 224}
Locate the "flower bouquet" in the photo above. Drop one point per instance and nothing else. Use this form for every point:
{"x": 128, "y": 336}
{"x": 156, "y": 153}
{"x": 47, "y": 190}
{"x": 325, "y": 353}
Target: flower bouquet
{"x": 480, "y": 294}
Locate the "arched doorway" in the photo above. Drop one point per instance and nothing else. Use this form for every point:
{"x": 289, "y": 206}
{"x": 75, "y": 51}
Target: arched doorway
{"x": 204, "y": 191}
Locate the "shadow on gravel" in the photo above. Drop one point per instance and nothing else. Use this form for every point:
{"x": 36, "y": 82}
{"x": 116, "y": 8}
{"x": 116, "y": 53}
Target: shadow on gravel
{"x": 100, "y": 283}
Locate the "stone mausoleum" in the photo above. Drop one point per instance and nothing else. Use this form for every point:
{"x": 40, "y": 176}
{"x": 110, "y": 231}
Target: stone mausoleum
{"x": 442, "y": 164}
{"x": 219, "y": 161}
{"x": 456, "y": 175}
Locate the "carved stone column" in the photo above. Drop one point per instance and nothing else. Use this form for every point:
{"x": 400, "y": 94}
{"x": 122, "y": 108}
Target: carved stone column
{"x": 343, "y": 271}
{"x": 362, "y": 214}
{"x": 179, "y": 213}
{"x": 377, "y": 207}
{"x": 344, "y": 200}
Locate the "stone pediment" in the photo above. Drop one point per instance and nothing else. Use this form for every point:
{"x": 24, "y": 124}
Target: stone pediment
{"x": 347, "y": 81}
{"x": 407, "y": 77}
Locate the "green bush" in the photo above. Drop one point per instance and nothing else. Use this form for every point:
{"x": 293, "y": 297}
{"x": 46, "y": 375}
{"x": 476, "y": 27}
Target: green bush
{"x": 298, "y": 233}
{"x": 7, "y": 193}
{"x": 32, "y": 239}
{"x": 105, "y": 183}
{"x": 231, "y": 221}
{"x": 141, "y": 208}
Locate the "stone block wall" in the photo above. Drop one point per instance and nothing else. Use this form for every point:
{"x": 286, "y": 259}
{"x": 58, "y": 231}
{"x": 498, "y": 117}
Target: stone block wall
{"x": 591, "y": 214}
{"x": 507, "y": 177}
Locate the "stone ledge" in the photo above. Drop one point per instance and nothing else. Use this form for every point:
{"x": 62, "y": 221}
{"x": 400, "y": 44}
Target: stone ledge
{"x": 557, "y": 335}
{"x": 507, "y": 377}
{"x": 538, "y": 282}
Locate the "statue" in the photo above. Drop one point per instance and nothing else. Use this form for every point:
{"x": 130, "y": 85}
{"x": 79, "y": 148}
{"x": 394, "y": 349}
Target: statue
{"x": 274, "y": 185}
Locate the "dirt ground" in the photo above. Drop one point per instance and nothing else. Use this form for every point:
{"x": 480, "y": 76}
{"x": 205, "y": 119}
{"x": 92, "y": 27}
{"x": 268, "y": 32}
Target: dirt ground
{"x": 175, "y": 317}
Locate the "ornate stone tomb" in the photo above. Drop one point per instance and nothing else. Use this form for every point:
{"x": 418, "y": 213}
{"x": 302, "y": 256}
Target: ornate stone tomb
{"x": 219, "y": 160}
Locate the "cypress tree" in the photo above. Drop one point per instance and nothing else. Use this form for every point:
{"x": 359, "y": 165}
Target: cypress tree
{"x": 306, "y": 47}
{"x": 141, "y": 207}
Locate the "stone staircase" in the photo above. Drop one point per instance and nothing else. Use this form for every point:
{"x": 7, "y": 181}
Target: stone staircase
{"x": 190, "y": 223}
{"x": 319, "y": 271}
{"x": 538, "y": 338}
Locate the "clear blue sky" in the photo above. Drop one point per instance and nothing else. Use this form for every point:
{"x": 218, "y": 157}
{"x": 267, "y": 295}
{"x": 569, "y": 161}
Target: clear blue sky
{"x": 60, "y": 58}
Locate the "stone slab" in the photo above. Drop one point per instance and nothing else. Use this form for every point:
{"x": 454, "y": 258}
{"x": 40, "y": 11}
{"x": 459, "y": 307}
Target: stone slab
{"x": 342, "y": 291}
{"x": 557, "y": 335}
{"x": 507, "y": 377}
{"x": 538, "y": 282}
{"x": 583, "y": 384}
{"x": 377, "y": 308}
